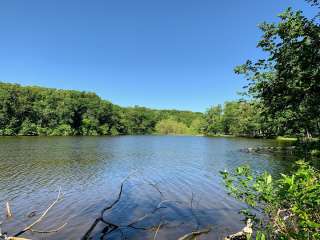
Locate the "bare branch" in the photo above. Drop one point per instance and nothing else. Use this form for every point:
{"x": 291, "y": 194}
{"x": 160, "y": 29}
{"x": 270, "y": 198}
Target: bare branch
{"x": 29, "y": 228}
{"x": 17, "y": 238}
{"x": 119, "y": 195}
{"x": 157, "y": 230}
{"x": 8, "y": 210}
{"x": 101, "y": 219}
{"x": 49, "y": 231}
{"x": 194, "y": 234}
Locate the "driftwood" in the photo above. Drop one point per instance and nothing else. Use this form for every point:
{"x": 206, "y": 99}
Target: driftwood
{"x": 17, "y": 238}
{"x": 8, "y": 210}
{"x": 194, "y": 234}
{"x": 157, "y": 230}
{"x": 32, "y": 225}
{"x": 244, "y": 234}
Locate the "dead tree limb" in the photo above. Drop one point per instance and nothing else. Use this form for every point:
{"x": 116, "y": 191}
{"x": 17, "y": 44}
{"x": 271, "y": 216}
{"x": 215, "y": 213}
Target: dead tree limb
{"x": 49, "y": 231}
{"x": 133, "y": 224}
{"x": 157, "y": 230}
{"x": 194, "y": 234}
{"x": 8, "y": 210}
{"x": 245, "y": 233}
{"x": 29, "y": 228}
{"x": 110, "y": 227}
{"x": 17, "y": 238}
{"x": 101, "y": 219}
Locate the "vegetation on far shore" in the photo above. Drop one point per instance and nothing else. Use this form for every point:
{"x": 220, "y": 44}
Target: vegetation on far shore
{"x": 37, "y": 111}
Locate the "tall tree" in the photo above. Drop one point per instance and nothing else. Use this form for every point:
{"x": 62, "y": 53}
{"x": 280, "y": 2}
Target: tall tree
{"x": 287, "y": 81}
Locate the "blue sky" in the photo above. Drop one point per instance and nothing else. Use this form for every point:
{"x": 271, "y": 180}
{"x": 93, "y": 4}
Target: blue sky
{"x": 160, "y": 54}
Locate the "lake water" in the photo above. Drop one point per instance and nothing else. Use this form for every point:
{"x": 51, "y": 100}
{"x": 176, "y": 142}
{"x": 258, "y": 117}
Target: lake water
{"x": 89, "y": 171}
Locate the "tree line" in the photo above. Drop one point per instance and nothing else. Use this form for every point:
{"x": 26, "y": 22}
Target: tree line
{"x": 29, "y": 110}
{"x": 32, "y": 111}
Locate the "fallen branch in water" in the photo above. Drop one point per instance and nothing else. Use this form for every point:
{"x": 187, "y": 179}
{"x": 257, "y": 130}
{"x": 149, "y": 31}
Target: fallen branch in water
{"x": 111, "y": 227}
{"x": 194, "y": 234}
{"x": 245, "y": 233}
{"x": 8, "y": 210}
{"x": 16, "y": 238}
{"x": 100, "y": 219}
{"x": 157, "y": 230}
{"x": 31, "y": 226}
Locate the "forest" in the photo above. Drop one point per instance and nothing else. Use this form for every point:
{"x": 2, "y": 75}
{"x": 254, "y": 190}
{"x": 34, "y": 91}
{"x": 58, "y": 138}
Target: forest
{"x": 44, "y": 111}
{"x": 38, "y": 111}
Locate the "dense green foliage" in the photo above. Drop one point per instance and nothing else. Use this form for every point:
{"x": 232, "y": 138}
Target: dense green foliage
{"x": 285, "y": 87}
{"x": 287, "y": 81}
{"x": 234, "y": 118}
{"x": 45, "y": 111}
{"x": 171, "y": 126}
{"x": 287, "y": 208}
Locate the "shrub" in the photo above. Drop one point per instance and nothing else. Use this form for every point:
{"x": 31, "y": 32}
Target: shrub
{"x": 28, "y": 128}
{"x": 290, "y": 206}
{"x": 62, "y": 130}
{"x": 171, "y": 126}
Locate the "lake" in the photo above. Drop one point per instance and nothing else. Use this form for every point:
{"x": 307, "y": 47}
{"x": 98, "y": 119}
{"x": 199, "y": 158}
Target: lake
{"x": 183, "y": 171}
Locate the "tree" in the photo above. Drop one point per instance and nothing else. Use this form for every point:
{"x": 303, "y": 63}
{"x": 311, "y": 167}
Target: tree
{"x": 47, "y": 111}
{"x": 28, "y": 128}
{"x": 171, "y": 127}
{"x": 287, "y": 82}
{"x": 197, "y": 126}
{"x": 213, "y": 119}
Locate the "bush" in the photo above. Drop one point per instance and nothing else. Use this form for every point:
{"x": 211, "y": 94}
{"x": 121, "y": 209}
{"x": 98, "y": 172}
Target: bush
{"x": 28, "y": 128}
{"x": 315, "y": 153}
{"x": 290, "y": 206}
{"x": 114, "y": 131}
{"x": 171, "y": 126}
{"x": 62, "y": 130}
{"x": 42, "y": 131}
{"x": 89, "y": 127}
{"x": 7, "y": 132}
{"x": 103, "y": 129}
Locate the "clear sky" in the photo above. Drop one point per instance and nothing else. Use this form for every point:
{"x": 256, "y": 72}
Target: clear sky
{"x": 160, "y": 54}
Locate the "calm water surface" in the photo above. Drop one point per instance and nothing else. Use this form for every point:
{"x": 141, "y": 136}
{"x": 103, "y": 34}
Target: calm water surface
{"x": 90, "y": 170}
